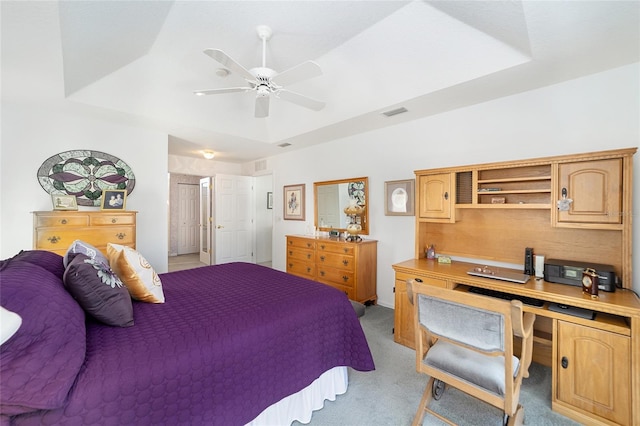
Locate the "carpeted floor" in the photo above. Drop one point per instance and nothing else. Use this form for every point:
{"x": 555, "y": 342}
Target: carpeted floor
{"x": 390, "y": 395}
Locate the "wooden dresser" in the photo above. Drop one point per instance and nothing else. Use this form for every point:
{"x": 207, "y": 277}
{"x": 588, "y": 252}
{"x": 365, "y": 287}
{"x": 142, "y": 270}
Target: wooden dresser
{"x": 347, "y": 266}
{"x": 56, "y": 230}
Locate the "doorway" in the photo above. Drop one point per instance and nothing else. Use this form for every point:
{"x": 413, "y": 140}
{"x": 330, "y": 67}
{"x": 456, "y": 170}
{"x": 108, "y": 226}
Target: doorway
{"x": 188, "y": 208}
{"x": 261, "y": 223}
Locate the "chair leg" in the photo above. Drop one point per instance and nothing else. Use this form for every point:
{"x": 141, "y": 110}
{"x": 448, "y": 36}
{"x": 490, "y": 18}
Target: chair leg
{"x": 424, "y": 403}
{"x": 518, "y": 418}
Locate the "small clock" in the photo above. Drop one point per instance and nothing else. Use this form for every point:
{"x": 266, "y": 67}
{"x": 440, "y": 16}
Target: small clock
{"x": 590, "y": 282}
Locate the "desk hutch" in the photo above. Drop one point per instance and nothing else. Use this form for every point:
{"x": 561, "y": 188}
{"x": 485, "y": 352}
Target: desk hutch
{"x": 492, "y": 212}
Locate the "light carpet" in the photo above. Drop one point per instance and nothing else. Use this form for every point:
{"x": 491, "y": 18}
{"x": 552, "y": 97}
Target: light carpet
{"x": 390, "y": 395}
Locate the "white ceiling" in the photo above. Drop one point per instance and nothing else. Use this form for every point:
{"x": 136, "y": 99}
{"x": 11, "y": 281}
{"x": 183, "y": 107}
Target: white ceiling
{"x": 142, "y": 60}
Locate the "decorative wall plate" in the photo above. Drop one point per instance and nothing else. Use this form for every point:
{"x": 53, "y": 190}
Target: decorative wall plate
{"x": 85, "y": 174}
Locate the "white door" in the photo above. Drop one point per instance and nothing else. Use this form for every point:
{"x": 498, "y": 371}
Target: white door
{"x": 206, "y": 220}
{"x": 188, "y": 221}
{"x": 233, "y": 219}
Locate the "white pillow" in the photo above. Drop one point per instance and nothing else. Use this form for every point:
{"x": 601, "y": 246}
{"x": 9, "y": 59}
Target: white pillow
{"x": 10, "y": 322}
{"x": 136, "y": 273}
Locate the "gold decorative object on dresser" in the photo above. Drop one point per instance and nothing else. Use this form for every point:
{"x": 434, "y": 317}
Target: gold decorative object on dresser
{"x": 56, "y": 230}
{"x": 347, "y": 266}
{"x": 574, "y": 207}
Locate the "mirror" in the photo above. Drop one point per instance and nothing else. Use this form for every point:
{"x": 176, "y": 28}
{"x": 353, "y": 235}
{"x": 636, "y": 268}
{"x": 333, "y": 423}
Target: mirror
{"x": 333, "y": 196}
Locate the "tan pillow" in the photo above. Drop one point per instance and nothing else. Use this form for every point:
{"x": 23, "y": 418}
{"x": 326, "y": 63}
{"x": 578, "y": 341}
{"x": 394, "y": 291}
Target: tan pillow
{"x": 136, "y": 273}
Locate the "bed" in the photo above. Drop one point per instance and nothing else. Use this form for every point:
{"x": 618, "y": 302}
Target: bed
{"x": 233, "y": 344}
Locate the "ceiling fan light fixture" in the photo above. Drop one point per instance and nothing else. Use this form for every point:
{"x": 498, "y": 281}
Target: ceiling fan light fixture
{"x": 208, "y": 154}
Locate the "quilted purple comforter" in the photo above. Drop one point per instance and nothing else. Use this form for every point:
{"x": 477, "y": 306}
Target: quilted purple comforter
{"x": 230, "y": 340}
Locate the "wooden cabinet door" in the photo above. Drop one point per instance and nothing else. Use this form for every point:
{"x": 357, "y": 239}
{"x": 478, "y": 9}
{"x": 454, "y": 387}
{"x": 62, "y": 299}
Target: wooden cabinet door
{"x": 435, "y": 193}
{"x": 404, "y": 329}
{"x": 593, "y": 371}
{"x": 595, "y": 188}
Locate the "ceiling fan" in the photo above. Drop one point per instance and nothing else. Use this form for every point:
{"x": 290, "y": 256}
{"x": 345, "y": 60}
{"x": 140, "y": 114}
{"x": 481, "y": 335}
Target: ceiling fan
{"x": 265, "y": 81}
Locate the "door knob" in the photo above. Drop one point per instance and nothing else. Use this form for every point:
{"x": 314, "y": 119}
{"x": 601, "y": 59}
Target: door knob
{"x": 219, "y": 226}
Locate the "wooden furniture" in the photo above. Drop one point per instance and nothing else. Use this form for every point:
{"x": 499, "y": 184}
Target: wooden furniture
{"x": 495, "y": 211}
{"x": 607, "y": 346}
{"x": 348, "y": 266}
{"x": 56, "y": 230}
{"x": 456, "y": 333}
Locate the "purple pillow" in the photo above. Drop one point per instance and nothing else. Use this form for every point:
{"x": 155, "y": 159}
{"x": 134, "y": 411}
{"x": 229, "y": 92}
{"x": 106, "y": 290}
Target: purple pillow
{"x": 39, "y": 364}
{"x": 82, "y": 247}
{"x": 99, "y": 291}
{"x": 48, "y": 260}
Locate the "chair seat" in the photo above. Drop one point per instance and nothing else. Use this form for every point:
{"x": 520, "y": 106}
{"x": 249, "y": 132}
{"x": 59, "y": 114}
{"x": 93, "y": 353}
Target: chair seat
{"x": 481, "y": 370}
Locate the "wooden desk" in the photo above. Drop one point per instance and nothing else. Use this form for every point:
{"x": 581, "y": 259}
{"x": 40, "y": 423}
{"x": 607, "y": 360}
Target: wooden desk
{"x": 595, "y": 363}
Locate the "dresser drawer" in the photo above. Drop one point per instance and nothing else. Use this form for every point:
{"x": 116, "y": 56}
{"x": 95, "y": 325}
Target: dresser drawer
{"x": 329, "y": 247}
{"x": 62, "y": 220}
{"x": 61, "y": 239}
{"x": 301, "y": 268}
{"x": 401, "y": 276}
{"x": 113, "y": 219}
{"x": 301, "y": 242}
{"x": 334, "y": 260}
{"x": 300, "y": 254}
{"x": 337, "y": 276}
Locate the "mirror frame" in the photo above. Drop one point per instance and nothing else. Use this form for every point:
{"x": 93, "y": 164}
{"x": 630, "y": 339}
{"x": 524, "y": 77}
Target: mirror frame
{"x": 365, "y": 216}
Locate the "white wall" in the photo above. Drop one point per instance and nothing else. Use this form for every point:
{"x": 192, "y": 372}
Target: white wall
{"x": 32, "y": 133}
{"x": 264, "y": 219}
{"x": 593, "y": 113}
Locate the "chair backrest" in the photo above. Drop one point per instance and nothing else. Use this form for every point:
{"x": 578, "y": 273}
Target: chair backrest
{"x": 469, "y": 325}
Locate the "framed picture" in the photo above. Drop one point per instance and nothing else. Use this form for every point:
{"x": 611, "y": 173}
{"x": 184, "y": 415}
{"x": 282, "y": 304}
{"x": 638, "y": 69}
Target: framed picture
{"x": 294, "y": 202}
{"x": 64, "y": 202}
{"x": 113, "y": 199}
{"x": 399, "y": 197}
{"x": 269, "y": 200}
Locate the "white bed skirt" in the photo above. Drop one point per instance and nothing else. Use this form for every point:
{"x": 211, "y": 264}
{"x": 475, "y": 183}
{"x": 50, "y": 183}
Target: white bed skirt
{"x": 301, "y": 405}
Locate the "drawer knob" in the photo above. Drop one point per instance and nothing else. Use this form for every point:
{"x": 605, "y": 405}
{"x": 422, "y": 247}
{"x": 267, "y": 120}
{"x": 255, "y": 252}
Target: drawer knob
{"x": 291, "y": 265}
{"x": 345, "y": 278}
{"x": 290, "y": 252}
{"x": 54, "y": 239}
{"x": 114, "y": 220}
{"x": 322, "y": 246}
{"x": 308, "y": 255}
{"x": 346, "y": 250}
{"x": 418, "y": 280}
{"x": 63, "y": 221}
{"x": 322, "y": 258}
{"x": 121, "y": 236}
{"x": 308, "y": 269}
{"x": 345, "y": 262}
{"x": 322, "y": 273}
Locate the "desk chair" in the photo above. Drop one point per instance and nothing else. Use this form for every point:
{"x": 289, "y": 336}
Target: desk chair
{"x": 466, "y": 341}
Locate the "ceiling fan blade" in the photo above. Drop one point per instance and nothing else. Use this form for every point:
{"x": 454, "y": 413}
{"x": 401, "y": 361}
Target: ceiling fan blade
{"x": 228, "y": 62}
{"x": 300, "y": 72}
{"x": 301, "y": 100}
{"x": 262, "y": 106}
{"x": 219, "y": 91}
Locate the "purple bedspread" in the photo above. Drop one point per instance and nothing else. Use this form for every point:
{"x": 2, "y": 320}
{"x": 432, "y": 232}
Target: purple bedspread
{"x": 230, "y": 340}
